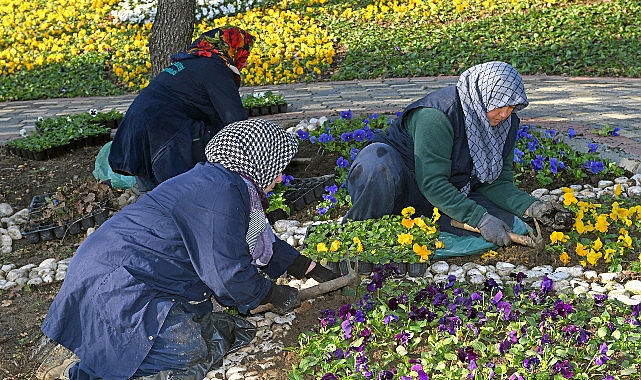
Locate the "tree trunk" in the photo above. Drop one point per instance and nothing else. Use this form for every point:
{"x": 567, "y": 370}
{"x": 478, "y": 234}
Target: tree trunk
{"x": 171, "y": 32}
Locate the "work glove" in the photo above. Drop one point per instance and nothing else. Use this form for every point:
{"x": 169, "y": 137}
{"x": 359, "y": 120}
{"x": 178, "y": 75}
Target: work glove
{"x": 319, "y": 273}
{"x": 551, "y": 214}
{"x": 494, "y": 230}
{"x": 284, "y": 298}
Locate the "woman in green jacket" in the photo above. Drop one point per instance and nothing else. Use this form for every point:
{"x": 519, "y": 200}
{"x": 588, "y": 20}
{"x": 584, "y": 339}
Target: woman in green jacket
{"x": 452, "y": 149}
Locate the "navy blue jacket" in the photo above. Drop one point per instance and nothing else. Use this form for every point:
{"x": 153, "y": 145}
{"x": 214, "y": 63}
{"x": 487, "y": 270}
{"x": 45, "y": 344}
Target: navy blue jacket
{"x": 166, "y": 128}
{"x": 180, "y": 243}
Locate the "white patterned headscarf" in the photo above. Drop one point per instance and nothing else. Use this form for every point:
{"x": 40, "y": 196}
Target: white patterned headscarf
{"x": 258, "y": 150}
{"x": 483, "y": 88}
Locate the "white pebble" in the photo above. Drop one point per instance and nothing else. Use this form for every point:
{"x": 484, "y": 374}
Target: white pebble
{"x": 285, "y": 319}
{"x": 35, "y": 281}
{"x": 633, "y": 286}
{"x": 14, "y": 232}
{"x": 611, "y": 276}
{"x": 5, "y": 209}
{"x": 604, "y": 183}
{"x": 440, "y": 267}
{"x": 538, "y": 193}
{"x": 580, "y": 290}
{"x": 504, "y": 269}
{"x": 49, "y": 264}
{"x": 476, "y": 279}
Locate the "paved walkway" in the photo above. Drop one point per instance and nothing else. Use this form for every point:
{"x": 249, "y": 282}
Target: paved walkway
{"x": 587, "y": 104}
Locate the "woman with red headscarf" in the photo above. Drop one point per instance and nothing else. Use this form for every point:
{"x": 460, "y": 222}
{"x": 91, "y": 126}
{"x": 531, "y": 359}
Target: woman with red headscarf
{"x": 166, "y": 128}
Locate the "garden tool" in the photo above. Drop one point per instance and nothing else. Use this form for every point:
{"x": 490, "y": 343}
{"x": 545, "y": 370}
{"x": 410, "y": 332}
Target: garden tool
{"x": 351, "y": 280}
{"x": 534, "y": 241}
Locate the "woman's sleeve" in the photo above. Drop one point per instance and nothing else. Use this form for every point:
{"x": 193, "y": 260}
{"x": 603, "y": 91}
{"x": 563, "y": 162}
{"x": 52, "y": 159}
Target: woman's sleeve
{"x": 433, "y": 137}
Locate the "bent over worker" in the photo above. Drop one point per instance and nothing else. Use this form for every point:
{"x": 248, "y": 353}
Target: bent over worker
{"x": 167, "y": 126}
{"x": 136, "y": 298}
{"x": 452, "y": 149}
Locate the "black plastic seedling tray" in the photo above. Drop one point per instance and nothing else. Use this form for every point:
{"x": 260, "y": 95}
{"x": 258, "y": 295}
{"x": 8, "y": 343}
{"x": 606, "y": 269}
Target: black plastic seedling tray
{"x": 36, "y": 230}
{"x": 302, "y": 192}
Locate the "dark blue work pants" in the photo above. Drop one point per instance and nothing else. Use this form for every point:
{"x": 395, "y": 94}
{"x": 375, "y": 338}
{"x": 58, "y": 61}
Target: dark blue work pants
{"x": 379, "y": 183}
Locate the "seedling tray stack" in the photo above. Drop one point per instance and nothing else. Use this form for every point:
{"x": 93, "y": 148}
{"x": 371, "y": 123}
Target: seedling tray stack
{"x": 41, "y": 229}
{"x": 302, "y": 192}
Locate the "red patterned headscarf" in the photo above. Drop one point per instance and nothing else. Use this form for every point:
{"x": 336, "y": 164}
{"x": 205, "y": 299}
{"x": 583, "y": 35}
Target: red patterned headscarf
{"x": 231, "y": 44}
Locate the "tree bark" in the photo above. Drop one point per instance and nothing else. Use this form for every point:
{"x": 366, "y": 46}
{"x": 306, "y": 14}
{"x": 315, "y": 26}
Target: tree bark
{"x": 171, "y": 32}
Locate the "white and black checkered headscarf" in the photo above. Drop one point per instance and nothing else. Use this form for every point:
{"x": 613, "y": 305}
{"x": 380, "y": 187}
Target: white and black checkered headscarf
{"x": 483, "y": 88}
{"x": 256, "y": 148}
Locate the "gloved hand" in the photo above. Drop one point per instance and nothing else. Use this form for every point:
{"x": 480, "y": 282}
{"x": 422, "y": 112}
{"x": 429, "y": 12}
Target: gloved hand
{"x": 319, "y": 273}
{"x": 494, "y": 230}
{"x": 283, "y": 297}
{"x": 551, "y": 214}
{"x": 322, "y": 274}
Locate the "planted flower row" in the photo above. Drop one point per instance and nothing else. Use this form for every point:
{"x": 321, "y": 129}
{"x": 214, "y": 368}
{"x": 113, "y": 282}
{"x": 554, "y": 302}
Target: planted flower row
{"x": 607, "y": 230}
{"x": 548, "y": 155}
{"x": 58, "y": 135}
{"x": 391, "y": 239}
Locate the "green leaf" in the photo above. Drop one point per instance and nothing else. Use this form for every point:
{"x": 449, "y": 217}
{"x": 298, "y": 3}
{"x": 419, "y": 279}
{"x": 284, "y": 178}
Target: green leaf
{"x": 603, "y": 332}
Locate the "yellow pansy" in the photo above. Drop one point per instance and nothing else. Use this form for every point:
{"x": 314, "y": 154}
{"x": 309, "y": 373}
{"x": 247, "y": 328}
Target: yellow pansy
{"x": 619, "y": 213}
{"x": 439, "y": 244}
{"x": 335, "y": 246}
{"x": 321, "y": 247}
{"x": 558, "y": 237}
{"x": 405, "y": 239}
{"x": 579, "y": 226}
{"x": 422, "y": 251}
{"x": 569, "y": 198}
{"x": 587, "y": 227}
{"x": 609, "y": 252}
{"x": 581, "y": 250}
{"x": 602, "y": 223}
{"x": 430, "y": 230}
{"x": 408, "y": 211}
{"x": 565, "y": 259}
{"x": 359, "y": 245}
{"x": 593, "y": 257}
{"x": 625, "y": 238}
{"x": 420, "y": 223}
{"x": 488, "y": 254}
{"x": 435, "y": 215}
{"x": 407, "y": 223}
{"x": 598, "y": 244}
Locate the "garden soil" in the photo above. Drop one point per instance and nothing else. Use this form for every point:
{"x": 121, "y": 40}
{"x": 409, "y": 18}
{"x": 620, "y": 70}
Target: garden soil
{"x": 22, "y": 310}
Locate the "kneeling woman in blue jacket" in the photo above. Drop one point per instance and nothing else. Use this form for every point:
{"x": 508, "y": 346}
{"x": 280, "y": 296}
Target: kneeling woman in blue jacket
{"x": 136, "y": 298}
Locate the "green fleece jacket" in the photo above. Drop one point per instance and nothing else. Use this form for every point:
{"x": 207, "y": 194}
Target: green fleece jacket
{"x": 433, "y": 137}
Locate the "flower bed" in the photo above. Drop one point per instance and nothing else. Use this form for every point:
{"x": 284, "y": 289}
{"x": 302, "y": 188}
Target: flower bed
{"x": 451, "y": 330}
